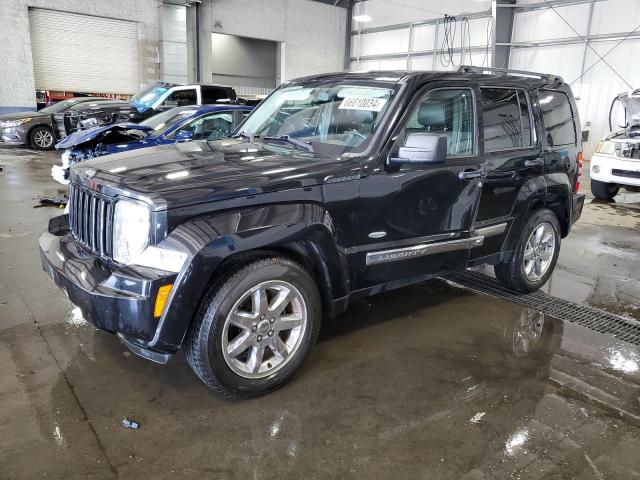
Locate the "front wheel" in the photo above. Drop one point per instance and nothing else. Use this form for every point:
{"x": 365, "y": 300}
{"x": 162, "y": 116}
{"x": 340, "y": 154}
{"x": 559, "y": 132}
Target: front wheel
{"x": 41, "y": 138}
{"x": 255, "y": 328}
{"x": 603, "y": 190}
{"x": 535, "y": 255}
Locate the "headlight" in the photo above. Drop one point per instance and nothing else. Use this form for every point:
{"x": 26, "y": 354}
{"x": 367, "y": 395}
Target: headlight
{"x": 90, "y": 122}
{"x": 14, "y": 123}
{"x": 606, "y": 147}
{"x": 131, "y": 225}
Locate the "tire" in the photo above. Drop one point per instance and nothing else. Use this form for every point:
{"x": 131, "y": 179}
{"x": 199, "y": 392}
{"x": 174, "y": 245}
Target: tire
{"x": 41, "y": 138}
{"x": 603, "y": 190}
{"x": 212, "y": 336}
{"x": 513, "y": 274}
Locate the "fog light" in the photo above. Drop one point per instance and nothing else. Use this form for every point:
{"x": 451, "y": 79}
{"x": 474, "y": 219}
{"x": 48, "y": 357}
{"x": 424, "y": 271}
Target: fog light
{"x": 595, "y": 168}
{"x": 161, "y": 300}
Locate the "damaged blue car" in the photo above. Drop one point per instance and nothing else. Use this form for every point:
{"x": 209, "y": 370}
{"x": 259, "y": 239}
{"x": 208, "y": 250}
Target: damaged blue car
{"x": 180, "y": 124}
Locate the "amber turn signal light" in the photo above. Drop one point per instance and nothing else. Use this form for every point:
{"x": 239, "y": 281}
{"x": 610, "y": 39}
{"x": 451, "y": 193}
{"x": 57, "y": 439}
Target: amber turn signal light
{"x": 161, "y": 300}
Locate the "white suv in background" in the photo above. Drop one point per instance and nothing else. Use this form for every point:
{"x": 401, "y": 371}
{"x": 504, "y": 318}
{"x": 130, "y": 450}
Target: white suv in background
{"x": 616, "y": 162}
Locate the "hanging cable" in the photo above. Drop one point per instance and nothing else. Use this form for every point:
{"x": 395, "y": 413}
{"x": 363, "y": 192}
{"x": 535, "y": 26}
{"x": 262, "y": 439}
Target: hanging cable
{"x": 448, "y": 41}
{"x": 465, "y": 34}
{"x": 486, "y": 62}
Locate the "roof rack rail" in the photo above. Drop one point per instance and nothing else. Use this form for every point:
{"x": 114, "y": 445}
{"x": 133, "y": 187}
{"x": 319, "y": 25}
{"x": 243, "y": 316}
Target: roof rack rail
{"x": 507, "y": 71}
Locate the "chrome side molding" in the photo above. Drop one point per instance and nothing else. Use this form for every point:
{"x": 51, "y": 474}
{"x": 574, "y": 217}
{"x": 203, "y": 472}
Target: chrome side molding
{"x": 385, "y": 256}
{"x": 491, "y": 230}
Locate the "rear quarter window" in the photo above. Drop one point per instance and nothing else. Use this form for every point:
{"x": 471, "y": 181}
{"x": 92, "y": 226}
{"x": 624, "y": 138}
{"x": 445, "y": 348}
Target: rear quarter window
{"x": 558, "y": 118}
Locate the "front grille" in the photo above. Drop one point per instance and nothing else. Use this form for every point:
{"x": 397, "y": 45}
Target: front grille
{"x": 91, "y": 219}
{"x": 625, "y": 173}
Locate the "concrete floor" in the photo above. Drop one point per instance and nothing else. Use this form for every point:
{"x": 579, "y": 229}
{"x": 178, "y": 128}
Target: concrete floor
{"x": 428, "y": 382}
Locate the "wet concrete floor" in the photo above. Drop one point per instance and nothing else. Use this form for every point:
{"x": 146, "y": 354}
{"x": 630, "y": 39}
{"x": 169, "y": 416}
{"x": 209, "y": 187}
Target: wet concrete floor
{"x": 430, "y": 382}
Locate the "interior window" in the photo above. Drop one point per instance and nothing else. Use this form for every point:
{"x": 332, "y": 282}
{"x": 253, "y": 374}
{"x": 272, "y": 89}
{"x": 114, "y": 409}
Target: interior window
{"x": 447, "y": 113}
{"x": 183, "y": 97}
{"x": 210, "y": 127}
{"x": 505, "y": 119}
{"x": 558, "y": 118}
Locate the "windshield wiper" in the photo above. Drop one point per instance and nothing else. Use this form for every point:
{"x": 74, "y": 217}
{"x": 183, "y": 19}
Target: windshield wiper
{"x": 293, "y": 141}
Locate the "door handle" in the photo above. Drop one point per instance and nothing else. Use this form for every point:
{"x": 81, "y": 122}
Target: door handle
{"x": 471, "y": 174}
{"x": 533, "y": 163}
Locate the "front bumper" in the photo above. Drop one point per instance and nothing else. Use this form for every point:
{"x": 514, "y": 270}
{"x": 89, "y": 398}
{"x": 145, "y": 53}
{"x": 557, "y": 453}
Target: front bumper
{"x": 118, "y": 300}
{"x": 628, "y": 170}
{"x": 12, "y": 136}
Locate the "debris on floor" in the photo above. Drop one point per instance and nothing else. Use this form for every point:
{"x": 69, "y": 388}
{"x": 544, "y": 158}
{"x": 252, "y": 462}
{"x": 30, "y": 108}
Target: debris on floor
{"x": 127, "y": 423}
{"x": 477, "y": 417}
{"x": 59, "y": 201}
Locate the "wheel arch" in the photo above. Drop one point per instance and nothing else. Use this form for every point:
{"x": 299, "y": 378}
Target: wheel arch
{"x": 33, "y": 127}
{"x": 220, "y": 250}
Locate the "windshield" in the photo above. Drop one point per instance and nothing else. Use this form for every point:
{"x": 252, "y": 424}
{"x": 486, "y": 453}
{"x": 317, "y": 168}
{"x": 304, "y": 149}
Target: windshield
{"x": 144, "y": 99}
{"x": 164, "y": 120}
{"x": 332, "y": 117}
{"x": 60, "y": 106}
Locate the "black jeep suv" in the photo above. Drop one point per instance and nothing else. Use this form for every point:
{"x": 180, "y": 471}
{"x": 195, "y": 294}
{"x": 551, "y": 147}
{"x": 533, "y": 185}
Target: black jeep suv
{"x": 336, "y": 187}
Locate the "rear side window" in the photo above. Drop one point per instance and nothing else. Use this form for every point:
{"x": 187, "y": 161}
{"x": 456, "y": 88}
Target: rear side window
{"x": 506, "y": 119}
{"x": 184, "y": 97}
{"x": 215, "y": 95}
{"x": 558, "y": 118}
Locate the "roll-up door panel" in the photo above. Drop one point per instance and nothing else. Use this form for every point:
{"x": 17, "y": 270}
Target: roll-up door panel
{"x": 81, "y": 53}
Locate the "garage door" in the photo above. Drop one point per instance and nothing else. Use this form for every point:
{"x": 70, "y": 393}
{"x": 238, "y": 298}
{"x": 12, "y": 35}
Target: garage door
{"x": 80, "y": 53}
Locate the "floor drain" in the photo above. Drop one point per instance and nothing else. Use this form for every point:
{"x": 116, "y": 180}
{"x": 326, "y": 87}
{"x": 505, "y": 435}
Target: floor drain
{"x": 626, "y": 329}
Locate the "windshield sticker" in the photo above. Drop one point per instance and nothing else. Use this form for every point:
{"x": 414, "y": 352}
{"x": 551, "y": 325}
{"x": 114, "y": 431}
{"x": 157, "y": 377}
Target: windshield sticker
{"x": 362, "y": 103}
{"x": 364, "y": 92}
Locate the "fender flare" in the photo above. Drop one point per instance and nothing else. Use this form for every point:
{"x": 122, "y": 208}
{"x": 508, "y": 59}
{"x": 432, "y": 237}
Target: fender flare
{"x": 301, "y": 232}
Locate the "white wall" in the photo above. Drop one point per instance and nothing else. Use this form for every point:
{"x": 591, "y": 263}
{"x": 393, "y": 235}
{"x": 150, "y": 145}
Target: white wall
{"x": 400, "y": 42}
{"x": 313, "y": 33}
{"x": 594, "y": 91}
{"x": 17, "y": 90}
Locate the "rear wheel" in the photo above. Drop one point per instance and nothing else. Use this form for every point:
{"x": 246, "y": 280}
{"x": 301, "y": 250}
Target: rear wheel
{"x": 255, "y": 328}
{"x": 41, "y": 138}
{"x": 535, "y": 255}
{"x": 603, "y": 190}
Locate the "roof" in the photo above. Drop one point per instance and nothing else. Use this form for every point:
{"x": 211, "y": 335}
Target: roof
{"x": 405, "y": 76}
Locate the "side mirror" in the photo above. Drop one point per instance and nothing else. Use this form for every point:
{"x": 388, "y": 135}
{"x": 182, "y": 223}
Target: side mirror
{"x": 184, "y": 136}
{"x": 422, "y": 148}
{"x": 170, "y": 104}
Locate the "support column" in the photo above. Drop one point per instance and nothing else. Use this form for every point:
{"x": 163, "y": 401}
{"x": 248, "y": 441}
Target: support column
{"x": 503, "y": 14}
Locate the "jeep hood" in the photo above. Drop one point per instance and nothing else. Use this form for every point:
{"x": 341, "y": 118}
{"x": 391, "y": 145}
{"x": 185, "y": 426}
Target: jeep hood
{"x": 96, "y": 134}
{"x": 190, "y": 173}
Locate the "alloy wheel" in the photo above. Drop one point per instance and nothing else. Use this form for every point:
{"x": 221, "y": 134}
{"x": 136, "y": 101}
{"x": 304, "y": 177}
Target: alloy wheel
{"x": 43, "y": 139}
{"x": 264, "y": 329}
{"x": 539, "y": 251}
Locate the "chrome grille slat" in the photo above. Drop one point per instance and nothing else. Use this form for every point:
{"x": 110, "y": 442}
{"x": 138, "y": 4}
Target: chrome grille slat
{"x": 90, "y": 219}
{"x": 100, "y": 227}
